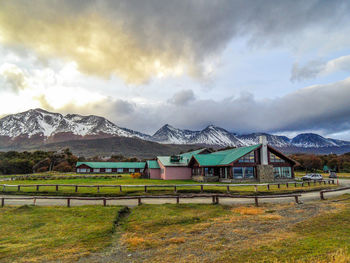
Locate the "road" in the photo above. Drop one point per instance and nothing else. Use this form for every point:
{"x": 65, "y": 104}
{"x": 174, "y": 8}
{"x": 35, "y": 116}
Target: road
{"x": 305, "y": 197}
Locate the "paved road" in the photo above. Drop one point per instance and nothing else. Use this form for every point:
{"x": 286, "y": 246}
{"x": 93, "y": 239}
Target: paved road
{"x": 306, "y": 197}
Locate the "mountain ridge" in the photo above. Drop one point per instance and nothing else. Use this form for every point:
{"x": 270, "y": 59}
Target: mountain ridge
{"x": 38, "y": 127}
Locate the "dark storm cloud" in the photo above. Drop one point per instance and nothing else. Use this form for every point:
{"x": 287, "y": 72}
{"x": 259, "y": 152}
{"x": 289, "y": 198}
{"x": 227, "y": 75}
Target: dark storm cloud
{"x": 125, "y": 38}
{"x": 323, "y": 108}
{"x": 182, "y": 97}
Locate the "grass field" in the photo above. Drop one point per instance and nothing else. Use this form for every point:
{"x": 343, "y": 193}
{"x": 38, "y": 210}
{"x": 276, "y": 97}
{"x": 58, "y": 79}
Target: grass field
{"x": 41, "y": 234}
{"x": 128, "y": 180}
{"x": 316, "y": 232}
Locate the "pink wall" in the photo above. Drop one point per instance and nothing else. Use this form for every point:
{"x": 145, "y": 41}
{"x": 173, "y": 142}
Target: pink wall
{"x": 177, "y": 173}
{"x": 154, "y": 173}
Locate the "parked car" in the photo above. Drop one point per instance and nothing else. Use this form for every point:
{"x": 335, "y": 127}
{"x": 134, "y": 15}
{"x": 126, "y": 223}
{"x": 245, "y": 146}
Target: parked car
{"x": 312, "y": 177}
{"x": 333, "y": 175}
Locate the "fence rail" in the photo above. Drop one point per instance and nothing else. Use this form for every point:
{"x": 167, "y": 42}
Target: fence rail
{"x": 322, "y": 192}
{"x": 174, "y": 186}
{"x": 215, "y": 198}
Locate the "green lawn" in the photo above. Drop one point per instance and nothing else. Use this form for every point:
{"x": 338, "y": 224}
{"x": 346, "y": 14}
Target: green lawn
{"x": 316, "y": 232}
{"x": 40, "y": 234}
{"x": 128, "y": 180}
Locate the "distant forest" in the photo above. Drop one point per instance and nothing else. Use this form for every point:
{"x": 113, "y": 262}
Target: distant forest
{"x": 13, "y": 162}
{"x": 312, "y": 162}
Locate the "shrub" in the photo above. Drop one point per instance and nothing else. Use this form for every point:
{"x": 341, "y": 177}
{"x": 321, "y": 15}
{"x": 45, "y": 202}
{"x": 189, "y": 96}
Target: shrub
{"x": 136, "y": 175}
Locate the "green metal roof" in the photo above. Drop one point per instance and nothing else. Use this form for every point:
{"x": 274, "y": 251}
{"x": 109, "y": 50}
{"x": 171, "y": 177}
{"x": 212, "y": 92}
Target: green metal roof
{"x": 131, "y": 165}
{"x": 151, "y": 164}
{"x": 224, "y": 157}
{"x": 184, "y": 158}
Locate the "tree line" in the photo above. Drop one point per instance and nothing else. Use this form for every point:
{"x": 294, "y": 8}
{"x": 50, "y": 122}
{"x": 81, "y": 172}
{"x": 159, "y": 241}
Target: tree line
{"x": 312, "y": 162}
{"x": 14, "y": 162}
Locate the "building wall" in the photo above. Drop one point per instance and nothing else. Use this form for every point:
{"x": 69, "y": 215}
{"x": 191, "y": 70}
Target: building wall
{"x": 177, "y": 173}
{"x": 154, "y": 173}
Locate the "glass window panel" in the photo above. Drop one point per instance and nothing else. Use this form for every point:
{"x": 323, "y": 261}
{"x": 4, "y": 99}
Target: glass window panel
{"x": 108, "y": 170}
{"x": 275, "y": 159}
{"x": 119, "y": 170}
{"x": 249, "y": 172}
{"x": 238, "y": 172}
{"x": 248, "y": 158}
{"x": 131, "y": 170}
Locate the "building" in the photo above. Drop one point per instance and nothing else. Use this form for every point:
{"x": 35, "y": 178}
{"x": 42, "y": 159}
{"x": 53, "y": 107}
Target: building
{"x": 110, "y": 167}
{"x": 259, "y": 162}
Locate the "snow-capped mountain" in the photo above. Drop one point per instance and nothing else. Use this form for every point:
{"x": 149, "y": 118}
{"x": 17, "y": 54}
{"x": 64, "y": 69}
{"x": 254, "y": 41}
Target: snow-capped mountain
{"x": 47, "y": 125}
{"x": 275, "y": 140}
{"x": 216, "y": 136}
{"x": 213, "y": 135}
{"x": 169, "y": 134}
{"x": 38, "y": 127}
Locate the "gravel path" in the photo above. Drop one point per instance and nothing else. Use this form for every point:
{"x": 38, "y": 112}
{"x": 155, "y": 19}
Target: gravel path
{"x": 305, "y": 197}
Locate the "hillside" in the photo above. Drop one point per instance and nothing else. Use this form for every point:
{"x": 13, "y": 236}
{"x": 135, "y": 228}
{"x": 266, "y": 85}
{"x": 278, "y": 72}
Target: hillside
{"x": 130, "y": 147}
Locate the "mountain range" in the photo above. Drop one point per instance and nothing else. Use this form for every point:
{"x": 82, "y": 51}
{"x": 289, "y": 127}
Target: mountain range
{"x": 36, "y": 128}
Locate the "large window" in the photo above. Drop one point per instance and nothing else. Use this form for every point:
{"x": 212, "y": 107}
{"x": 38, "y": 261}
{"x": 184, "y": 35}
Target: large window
{"x": 96, "y": 170}
{"x": 243, "y": 173}
{"x": 196, "y": 171}
{"x": 282, "y": 172}
{"x": 119, "y": 170}
{"x": 248, "y": 158}
{"x": 131, "y": 170}
{"x": 108, "y": 170}
{"x": 275, "y": 159}
{"x": 208, "y": 171}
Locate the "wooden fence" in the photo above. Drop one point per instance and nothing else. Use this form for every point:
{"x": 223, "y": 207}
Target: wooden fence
{"x": 215, "y": 198}
{"x": 332, "y": 190}
{"x": 174, "y": 186}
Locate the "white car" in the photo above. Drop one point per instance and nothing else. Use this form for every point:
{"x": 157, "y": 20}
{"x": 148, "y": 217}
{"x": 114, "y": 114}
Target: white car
{"x": 312, "y": 177}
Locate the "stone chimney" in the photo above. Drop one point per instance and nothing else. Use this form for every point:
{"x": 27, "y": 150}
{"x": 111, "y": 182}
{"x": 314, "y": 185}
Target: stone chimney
{"x": 263, "y": 150}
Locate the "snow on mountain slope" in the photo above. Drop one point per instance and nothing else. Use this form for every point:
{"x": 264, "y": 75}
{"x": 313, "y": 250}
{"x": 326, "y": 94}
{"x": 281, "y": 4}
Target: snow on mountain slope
{"x": 41, "y": 122}
{"x": 38, "y": 125}
{"x": 275, "y": 140}
{"x": 169, "y": 134}
{"x": 213, "y": 135}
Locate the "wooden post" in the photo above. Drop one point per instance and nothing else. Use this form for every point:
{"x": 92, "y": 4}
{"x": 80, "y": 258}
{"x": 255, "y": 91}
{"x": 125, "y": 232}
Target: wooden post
{"x": 76, "y": 188}
{"x": 177, "y": 199}
{"x": 201, "y": 188}
{"x": 120, "y": 188}
{"x": 308, "y": 183}
{"x": 322, "y": 196}
{"x": 37, "y": 188}
{"x": 145, "y": 189}
{"x": 104, "y": 202}
{"x": 279, "y": 186}
{"x": 228, "y": 189}
{"x": 268, "y": 187}
{"x": 295, "y": 184}
{"x": 18, "y": 188}
{"x": 56, "y": 187}
{"x": 217, "y": 199}
{"x": 68, "y": 202}
{"x": 175, "y": 190}
{"x": 2, "y": 202}
{"x": 213, "y": 201}
{"x": 98, "y": 189}
{"x": 256, "y": 201}
{"x": 34, "y": 201}
{"x": 287, "y": 185}
{"x": 329, "y": 182}
{"x": 139, "y": 201}
{"x": 296, "y": 199}
{"x": 302, "y": 184}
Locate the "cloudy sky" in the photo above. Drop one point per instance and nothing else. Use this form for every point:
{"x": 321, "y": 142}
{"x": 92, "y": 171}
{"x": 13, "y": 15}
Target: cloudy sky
{"x": 247, "y": 66}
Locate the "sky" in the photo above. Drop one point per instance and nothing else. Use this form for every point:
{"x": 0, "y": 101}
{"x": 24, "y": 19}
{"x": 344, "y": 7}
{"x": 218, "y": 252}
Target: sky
{"x": 247, "y": 66}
